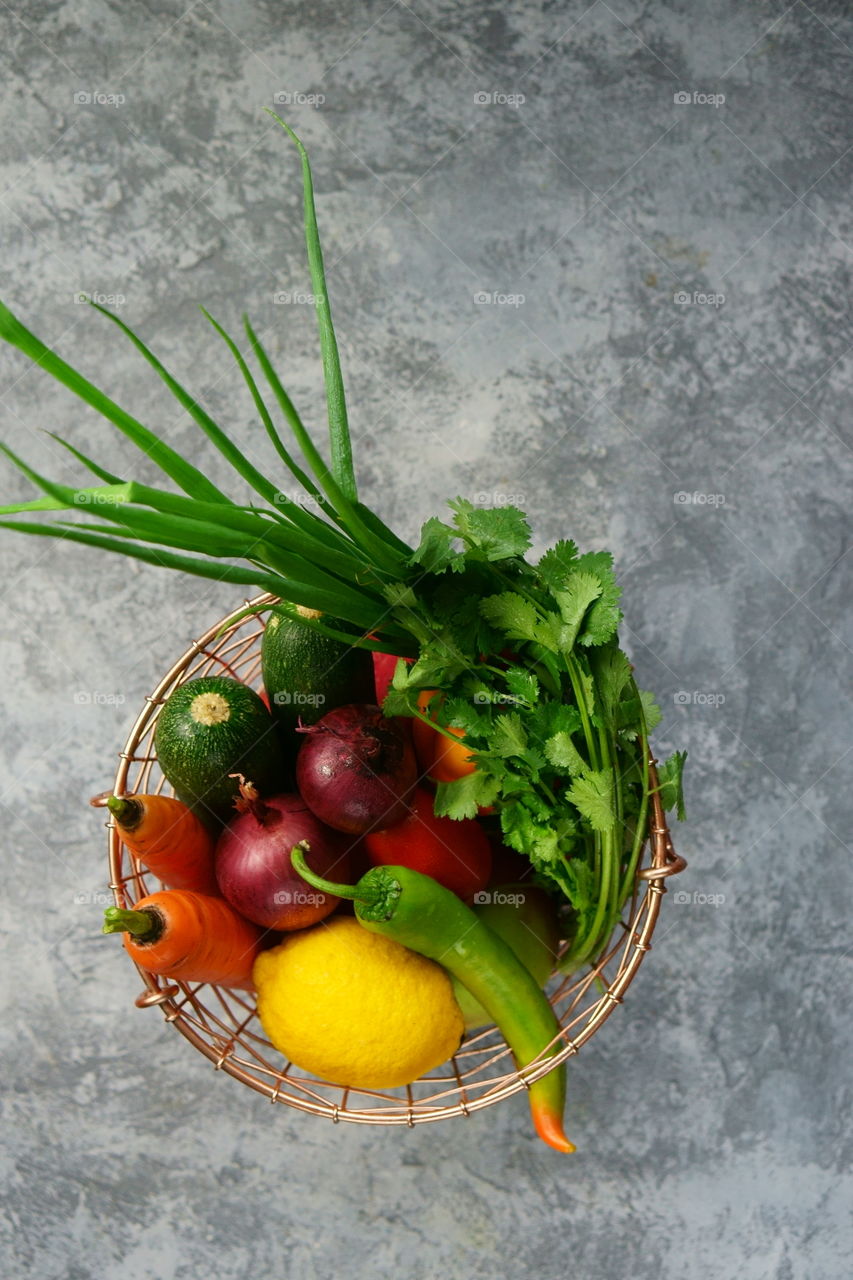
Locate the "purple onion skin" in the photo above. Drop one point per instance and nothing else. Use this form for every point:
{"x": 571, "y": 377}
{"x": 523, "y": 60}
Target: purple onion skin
{"x": 254, "y": 872}
{"x": 356, "y": 770}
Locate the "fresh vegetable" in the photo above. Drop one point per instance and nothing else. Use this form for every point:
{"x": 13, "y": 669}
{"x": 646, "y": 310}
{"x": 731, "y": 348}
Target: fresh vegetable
{"x": 209, "y": 730}
{"x": 188, "y": 936}
{"x": 456, "y": 854}
{"x": 253, "y": 867}
{"x": 356, "y": 770}
{"x": 307, "y": 674}
{"x": 415, "y": 910}
{"x": 525, "y": 917}
{"x": 439, "y": 754}
{"x": 355, "y": 1008}
{"x": 168, "y": 838}
{"x": 558, "y": 731}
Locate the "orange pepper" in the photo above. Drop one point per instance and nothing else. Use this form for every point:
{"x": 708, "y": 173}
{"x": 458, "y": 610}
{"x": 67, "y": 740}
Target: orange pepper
{"x": 442, "y": 760}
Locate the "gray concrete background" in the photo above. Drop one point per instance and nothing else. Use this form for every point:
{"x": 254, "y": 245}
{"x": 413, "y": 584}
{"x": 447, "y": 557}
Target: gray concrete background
{"x": 712, "y": 1114}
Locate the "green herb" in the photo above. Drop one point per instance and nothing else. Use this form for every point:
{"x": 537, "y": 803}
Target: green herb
{"x": 525, "y": 657}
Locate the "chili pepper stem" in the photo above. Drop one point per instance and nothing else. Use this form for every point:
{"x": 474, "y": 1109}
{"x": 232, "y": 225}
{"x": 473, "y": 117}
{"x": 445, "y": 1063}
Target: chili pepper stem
{"x": 142, "y": 924}
{"x": 297, "y": 858}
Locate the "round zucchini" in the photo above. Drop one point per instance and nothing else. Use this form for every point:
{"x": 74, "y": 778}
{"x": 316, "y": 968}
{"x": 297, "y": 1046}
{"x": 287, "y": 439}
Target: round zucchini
{"x": 212, "y": 727}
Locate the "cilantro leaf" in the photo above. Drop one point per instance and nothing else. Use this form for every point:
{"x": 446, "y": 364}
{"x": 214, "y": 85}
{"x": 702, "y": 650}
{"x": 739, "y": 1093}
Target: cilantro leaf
{"x": 523, "y": 685}
{"x": 605, "y": 615}
{"x": 628, "y": 714}
{"x": 612, "y": 672}
{"x": 398, "y": 702}
{"x": 562, "y": 753}
{"x": 516, "y": 824}
{"x": 651, "y": 710}
{"x": 435, "y": 551}
{"x": 670, "y": 780}
{"x": 555, "y": 717}
{"x": 469, "y": 714}
{"x": 592, "y": 795}
{"x": 550, "y": 633}
{"x": 494, "y": 533}
{"x": 557, "y": 563}
{"x": 463, "y": 797}
{"x": 509, "y": 737}
{"x": 512, "y": 615}
{"x": 573, "y": 600}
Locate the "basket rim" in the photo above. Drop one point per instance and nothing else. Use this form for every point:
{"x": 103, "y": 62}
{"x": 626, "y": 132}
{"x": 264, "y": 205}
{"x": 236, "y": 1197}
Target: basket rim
{"x": 178, "y": 999}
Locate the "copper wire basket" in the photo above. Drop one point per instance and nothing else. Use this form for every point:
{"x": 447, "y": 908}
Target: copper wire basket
{"x": 223, "y": 1024}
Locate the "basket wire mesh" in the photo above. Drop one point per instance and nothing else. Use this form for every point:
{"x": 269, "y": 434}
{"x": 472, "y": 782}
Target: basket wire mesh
{"x": 223, "y": 1024}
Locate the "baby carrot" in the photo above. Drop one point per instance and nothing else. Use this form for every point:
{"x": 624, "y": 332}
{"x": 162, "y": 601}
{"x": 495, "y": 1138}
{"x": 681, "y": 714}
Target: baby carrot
{"x": 168, "y": 838}
{"x": 189, "y": 936}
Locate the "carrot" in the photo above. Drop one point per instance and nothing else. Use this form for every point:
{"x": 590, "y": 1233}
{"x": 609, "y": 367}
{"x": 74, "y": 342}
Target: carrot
{"x": 168, "y": 838}
{"x": 189, "y": 936}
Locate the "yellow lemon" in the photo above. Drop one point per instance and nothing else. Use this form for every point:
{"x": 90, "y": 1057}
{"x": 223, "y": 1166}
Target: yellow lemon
{"x": 355, "y": 1008}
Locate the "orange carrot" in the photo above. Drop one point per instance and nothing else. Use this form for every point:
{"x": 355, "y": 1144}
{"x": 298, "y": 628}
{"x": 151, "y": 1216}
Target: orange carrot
{"x": 189, "y": 936}
{"x": 168, "y": 838}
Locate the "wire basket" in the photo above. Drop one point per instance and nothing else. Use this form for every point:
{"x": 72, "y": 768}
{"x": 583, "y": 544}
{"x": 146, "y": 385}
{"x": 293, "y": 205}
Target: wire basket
{"x": 223, "y": 1024}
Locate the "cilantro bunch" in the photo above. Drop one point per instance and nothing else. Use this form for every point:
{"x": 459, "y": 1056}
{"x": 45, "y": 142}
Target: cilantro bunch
{"x": 526, "y": 662}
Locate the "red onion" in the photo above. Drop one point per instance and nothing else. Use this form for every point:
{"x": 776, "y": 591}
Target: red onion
{"x": 356, "y": 770}
{"x": 253, "y": 868}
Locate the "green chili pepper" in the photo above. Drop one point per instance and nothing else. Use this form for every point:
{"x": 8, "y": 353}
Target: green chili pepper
{"x": 418, "y": 912}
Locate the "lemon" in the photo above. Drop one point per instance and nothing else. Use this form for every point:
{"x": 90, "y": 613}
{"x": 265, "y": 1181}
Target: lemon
{"x": 355, "y": 1008}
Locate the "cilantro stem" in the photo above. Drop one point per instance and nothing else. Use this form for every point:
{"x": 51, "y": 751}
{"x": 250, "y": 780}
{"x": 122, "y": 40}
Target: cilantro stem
{"x": 642, "y": 816}
{"x": 580, "y": 698}
{"x": 543, "y": 786}
{"x": 417, "y": 714}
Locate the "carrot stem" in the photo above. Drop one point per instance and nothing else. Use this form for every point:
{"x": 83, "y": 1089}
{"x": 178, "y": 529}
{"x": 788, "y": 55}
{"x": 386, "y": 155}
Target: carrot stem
{"x": 144, "y": 925}
{"x": 125, "y": 810}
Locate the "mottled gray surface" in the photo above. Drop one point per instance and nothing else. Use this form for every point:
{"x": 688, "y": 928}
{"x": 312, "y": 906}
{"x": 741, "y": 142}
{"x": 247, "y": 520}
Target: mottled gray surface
{"x": 712, "y": 1114}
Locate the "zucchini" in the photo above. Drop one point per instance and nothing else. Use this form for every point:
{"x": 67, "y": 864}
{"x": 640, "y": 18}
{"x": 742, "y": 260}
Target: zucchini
{"x": 210, "y": 728}
{"x": 306, "y": 674}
